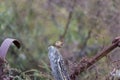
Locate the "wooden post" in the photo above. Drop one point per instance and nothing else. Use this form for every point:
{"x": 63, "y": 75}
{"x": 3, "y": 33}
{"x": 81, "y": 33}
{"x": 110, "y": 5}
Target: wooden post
{"x": 59, "y": 70}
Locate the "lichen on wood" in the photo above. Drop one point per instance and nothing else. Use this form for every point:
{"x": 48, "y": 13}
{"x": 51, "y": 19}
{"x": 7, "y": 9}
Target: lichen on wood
{"x": 59, "y": 69}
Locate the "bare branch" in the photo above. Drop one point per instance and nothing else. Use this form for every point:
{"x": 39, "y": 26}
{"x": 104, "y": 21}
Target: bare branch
{"x": 87, "y": 63}
{"x": 68, "y": 21}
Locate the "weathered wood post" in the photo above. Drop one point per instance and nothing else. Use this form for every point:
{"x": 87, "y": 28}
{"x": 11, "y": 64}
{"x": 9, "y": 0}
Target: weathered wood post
{"x": 59, "y": 69}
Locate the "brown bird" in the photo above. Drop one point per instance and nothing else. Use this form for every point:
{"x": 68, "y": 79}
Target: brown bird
{"x": 58, "y": 44}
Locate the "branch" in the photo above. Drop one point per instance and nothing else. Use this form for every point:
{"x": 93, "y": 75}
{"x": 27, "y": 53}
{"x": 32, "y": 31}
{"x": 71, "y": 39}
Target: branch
{"x": 59, "y": 43}
{"x": 85, "y": 63}
{"x": 68, "y": 21}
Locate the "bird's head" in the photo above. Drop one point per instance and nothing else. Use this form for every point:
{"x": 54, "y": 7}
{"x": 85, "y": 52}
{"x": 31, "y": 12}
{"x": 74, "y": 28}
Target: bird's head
{"x": 58, "y": 44}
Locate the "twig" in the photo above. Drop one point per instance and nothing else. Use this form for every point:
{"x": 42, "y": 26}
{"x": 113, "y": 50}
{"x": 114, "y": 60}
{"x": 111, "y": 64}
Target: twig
{"x": 59, "y": 43}
{"x": 68, "y": 22}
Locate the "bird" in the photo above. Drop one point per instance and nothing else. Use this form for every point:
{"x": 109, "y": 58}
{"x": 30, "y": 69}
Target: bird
{"x": 58, "y": 44}
{"x": 59, "y": 69}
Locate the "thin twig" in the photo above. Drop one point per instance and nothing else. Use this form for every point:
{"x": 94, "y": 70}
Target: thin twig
{"x": 68, "y": 22}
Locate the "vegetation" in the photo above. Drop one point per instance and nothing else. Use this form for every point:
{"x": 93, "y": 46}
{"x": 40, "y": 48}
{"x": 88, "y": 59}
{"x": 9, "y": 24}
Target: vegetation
{"x": 39, "y": 23}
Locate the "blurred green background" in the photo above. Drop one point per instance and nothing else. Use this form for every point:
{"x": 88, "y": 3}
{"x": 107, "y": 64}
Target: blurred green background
{"x": 39, "y": 23}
